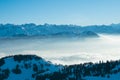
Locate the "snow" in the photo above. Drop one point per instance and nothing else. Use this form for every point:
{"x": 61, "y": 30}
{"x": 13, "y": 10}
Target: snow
{"x": 112, "y": 77}
{"x": 48, "y": 67}
{"x": 26, "y": 74}
{"x": 9, "y": 63}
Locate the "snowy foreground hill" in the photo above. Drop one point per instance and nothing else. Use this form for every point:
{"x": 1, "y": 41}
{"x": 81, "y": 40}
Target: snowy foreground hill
{"x": 31, "y": 67}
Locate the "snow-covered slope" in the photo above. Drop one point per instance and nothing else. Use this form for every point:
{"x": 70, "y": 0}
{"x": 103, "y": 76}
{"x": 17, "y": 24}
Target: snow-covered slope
{"x": 25, "y": 67}
{"x": 31, "y": 67}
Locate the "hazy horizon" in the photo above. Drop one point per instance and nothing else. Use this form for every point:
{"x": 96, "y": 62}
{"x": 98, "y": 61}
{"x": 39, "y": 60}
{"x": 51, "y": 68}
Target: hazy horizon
{"x": 62, "y": 24}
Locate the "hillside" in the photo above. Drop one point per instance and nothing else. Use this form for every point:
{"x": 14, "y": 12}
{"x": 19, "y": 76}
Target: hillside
{"x": 31, "y": 67}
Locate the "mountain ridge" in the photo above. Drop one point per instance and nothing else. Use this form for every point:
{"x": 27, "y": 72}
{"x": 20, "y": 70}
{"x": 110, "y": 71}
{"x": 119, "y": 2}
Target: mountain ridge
{"x": 32, "y": 67}
{"x": 52, "y": 30}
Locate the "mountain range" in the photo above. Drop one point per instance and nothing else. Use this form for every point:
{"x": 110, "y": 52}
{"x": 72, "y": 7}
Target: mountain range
{"x": 52, "y": 30}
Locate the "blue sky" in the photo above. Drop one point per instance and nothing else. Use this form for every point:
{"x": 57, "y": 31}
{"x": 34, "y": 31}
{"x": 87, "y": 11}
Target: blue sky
{"x": 80, "y": 12}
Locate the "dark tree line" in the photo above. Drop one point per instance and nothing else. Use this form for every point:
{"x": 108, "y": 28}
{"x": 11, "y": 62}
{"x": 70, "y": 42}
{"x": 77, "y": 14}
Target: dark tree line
{"x": 17, "y": 70}
{"x": 4, "y": 74}
{"x": 78, "y": 72}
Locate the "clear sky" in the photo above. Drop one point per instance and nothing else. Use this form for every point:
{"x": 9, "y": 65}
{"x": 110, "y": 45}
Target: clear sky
{"x": 80, "y": 12}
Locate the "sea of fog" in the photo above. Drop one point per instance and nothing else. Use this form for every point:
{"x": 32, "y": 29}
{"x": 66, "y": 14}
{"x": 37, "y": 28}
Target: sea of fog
{"x": 65, "y": 50}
